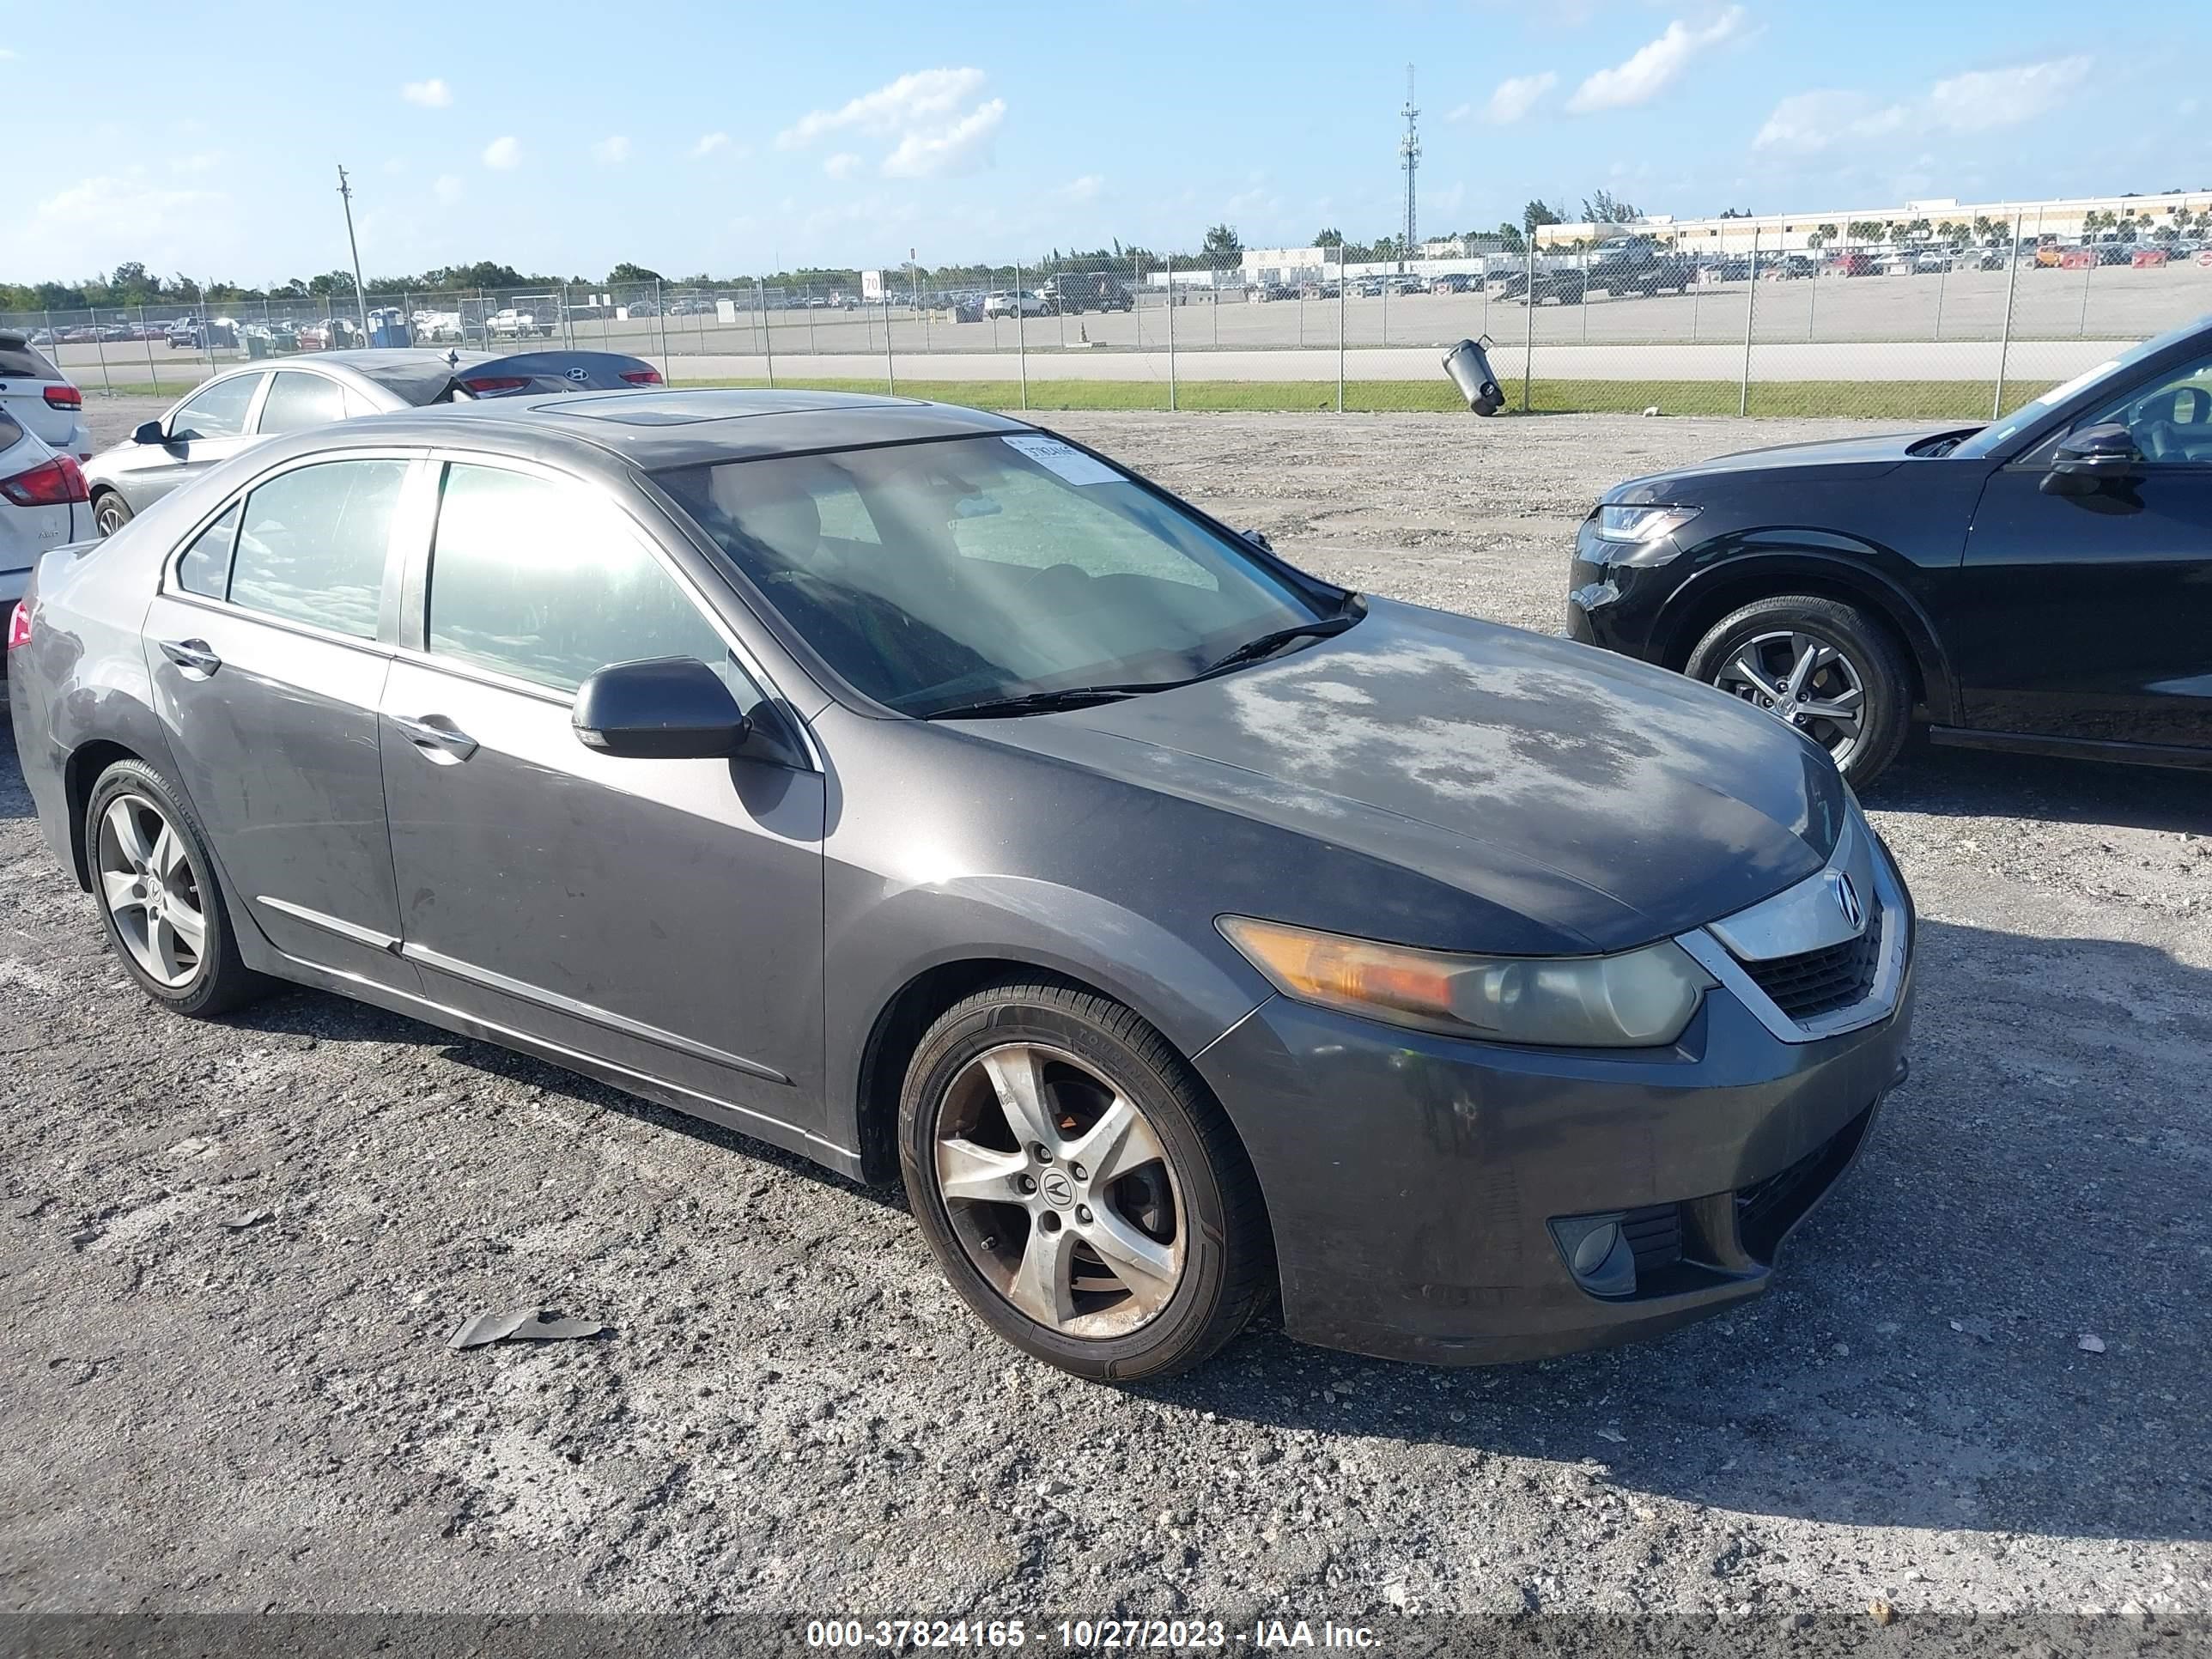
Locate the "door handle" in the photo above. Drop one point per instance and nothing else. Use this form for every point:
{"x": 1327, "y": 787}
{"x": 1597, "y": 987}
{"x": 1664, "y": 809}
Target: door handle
{"x": 195, "y": 657}
{"x": 436, "y": 738}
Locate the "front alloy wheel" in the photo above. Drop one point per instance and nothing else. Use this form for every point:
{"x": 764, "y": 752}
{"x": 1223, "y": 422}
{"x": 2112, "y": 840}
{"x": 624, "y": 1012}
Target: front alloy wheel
{"x": 1078, "y": 1184}
{"x": 1059, "y": 1190}
{"x": 1828, "y": 669}
{"x": 1809, "y": 683}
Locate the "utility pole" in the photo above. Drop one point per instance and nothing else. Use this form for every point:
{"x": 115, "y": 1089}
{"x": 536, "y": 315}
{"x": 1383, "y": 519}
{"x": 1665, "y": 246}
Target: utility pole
{"x": 359, "y": 295}
{"x": 1409, "y": 151}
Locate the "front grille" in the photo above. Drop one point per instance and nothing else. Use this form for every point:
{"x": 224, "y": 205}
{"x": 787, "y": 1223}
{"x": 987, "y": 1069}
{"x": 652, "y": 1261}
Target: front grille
{"x": 1816, "y": 982}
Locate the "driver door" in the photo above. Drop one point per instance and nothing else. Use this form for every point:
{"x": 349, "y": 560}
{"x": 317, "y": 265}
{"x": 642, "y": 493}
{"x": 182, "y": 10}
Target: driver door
{"x": 2089, "y": 617}
{"x": 206, "y": 430}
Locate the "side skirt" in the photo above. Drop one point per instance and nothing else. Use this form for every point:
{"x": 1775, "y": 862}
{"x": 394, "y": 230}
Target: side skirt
{"x": 2101, "y": 749}
{"x": 757, "y": 1125}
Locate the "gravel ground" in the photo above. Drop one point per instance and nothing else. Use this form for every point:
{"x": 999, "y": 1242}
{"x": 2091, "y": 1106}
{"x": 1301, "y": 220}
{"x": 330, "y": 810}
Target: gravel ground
{"x": 234, "y": 1252}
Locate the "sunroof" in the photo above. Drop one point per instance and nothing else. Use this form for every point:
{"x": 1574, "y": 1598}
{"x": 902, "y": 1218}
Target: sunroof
{"x": 687, "y": 408}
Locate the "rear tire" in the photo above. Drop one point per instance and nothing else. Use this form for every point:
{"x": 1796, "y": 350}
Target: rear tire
{"x": 156, "y": 885}
{"x": 1748, "y": 650}
{"x": 1174, "y": 1257}
{"x": 109, "y": 513}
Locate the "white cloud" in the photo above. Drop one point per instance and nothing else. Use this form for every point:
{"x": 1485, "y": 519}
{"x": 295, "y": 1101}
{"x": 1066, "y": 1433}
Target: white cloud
{"x": 925, "y": 96}
{"x": 8, "y": 54}
{"x": 1515, "y": 96}
{"x": 612, "y": 151}
{"x": 430, "y": 95}
{"x": 709, "y": 143}
{"x": 504, "y": 154}
{"x": 447, "y": 188}
{"x": 1086, "y": 189}
{"x": 1979, "y": 101}
{"x": 843, "y": 165}
{"x": 1654, "y": 66}
{"x": 124, "y": 215}
{"x": 961, "y": 148}
{"x": 205, "y": 161}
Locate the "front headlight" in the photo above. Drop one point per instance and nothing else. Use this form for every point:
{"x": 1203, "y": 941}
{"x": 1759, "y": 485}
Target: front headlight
{"x": 1637, "y": 999}
{"x": 1641, "y": 525}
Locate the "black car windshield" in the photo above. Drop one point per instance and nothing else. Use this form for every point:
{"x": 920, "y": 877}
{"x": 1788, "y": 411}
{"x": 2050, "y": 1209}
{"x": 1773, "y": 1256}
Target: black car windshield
{"x": 1985, "y": 441}
{"x": 937, "y": 575}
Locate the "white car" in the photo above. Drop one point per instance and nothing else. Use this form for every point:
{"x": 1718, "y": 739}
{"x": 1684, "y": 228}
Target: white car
{"x": 40, "y": 398}
{"x": 42, "y": 504}
{"x": 1008, "y": 304}
{"x": 513, "y": 324}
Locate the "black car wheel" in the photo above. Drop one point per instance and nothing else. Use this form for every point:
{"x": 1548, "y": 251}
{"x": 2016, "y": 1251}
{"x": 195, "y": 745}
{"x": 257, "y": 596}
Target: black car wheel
{"x": 160, "y": 902}
{"x": 109, "y": 513}
{"x": 1823, "y": 666}
{"x": 1079, "y": 1185}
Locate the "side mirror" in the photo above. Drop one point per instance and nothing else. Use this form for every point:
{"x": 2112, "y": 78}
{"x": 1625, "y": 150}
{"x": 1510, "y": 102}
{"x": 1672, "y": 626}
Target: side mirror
{"x": 666, "y": 708}
{"x": 1259, "y": 540}
{"x": 2086, "y": 458}
{"x": 149, "y": 432}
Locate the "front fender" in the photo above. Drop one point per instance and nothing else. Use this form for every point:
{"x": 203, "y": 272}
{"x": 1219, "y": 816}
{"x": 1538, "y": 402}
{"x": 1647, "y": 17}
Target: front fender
{"x": 1734, "y": 569}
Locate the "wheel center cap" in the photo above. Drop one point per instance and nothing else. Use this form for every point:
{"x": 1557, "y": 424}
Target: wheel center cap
{"x": 1058, "y": 1190}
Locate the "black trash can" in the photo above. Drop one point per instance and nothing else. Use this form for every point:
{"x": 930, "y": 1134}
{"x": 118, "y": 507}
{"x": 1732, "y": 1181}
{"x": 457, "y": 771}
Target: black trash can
{"x": 1468, "y": 366}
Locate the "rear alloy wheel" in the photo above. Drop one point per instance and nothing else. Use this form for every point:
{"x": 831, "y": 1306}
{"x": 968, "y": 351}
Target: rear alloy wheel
{"x": 1823, "y": 667}
{"x": 159, "y": 900}
{"x": 109, "y": 513}
{"x": 1079, "y": 1185}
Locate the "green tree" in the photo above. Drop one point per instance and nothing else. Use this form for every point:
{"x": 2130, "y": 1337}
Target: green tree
{"x": 627, "y": 272}
{"x": 1222, "y": 247}
{"x": 1822, "y": 237}
{"x": 1509, "y": 235}
{"x": 1602, "y": 206}
{"x": 1330, "y": 238}
{"x": 1541, "y": 212}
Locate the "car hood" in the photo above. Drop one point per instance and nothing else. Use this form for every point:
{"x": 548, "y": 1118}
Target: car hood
{"x": 1876, "y": 452}
{"x": 1591, "y": 802}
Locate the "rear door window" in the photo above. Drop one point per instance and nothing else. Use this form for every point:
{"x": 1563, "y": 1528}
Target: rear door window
{"x": 311, "y": 548}
{"x": 218, "y": 410}
{"x": 298, "y": 399}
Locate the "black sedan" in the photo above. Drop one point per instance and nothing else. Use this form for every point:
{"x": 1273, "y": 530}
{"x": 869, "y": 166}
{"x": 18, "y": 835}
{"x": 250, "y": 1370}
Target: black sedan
{"x": 2042, "y": 584}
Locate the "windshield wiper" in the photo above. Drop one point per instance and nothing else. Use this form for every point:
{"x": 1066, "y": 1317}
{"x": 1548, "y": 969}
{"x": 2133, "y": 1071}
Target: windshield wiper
{"x": 1252, "y": 650}
{"x": 1034, "y": 703}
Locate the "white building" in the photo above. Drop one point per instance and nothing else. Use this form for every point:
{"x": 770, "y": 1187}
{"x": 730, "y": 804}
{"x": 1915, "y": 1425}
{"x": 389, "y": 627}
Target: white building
{"x": 2062, "y": 217}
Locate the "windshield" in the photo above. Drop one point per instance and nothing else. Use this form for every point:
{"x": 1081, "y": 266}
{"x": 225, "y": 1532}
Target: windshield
{"x": 1986, "y": 440}
{"x": 935, "y": 575}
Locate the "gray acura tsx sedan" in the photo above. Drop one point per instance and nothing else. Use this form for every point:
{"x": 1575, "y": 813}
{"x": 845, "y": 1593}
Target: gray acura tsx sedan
{"x": 909, "y": 788}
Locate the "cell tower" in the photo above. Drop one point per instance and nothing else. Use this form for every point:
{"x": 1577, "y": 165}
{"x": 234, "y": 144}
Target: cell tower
{"x": 1409, "y": 151}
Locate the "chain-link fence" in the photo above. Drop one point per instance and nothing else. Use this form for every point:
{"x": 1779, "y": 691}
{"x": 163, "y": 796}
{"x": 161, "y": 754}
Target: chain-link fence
{"x": 1954, "y": 322}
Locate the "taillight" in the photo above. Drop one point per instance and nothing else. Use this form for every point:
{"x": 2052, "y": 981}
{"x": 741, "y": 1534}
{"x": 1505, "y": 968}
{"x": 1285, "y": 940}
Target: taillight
{"x": 63, "y": 396}
{"x": 641, "y": 376}
{"x": 56, "y": 483}
{"x": 19, "y": 624}
{"x": 491, "y": 385}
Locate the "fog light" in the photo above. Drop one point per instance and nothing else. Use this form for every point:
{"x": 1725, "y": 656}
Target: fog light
{"x": 1597, "y": 1252}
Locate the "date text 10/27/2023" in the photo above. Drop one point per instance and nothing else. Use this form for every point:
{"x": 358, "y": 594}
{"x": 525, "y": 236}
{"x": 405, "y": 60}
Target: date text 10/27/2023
{"x": 1088, "y": 1635}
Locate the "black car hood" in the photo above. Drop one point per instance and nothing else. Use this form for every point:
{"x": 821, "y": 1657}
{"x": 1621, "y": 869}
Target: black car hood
{"x": 1876, "y": 452}
{"x": 1591, "y": 802}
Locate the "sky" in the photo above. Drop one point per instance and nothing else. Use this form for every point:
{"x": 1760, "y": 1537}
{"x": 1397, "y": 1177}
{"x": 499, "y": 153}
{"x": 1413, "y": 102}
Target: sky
{"x": 735, "y": 138}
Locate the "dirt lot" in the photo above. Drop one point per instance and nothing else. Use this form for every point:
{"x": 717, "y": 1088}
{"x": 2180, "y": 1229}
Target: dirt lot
{"x": 234, "y": 1252}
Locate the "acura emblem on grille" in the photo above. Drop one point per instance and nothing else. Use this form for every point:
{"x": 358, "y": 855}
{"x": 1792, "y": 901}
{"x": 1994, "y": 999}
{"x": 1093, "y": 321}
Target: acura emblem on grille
{"x": 1847, "y": 901}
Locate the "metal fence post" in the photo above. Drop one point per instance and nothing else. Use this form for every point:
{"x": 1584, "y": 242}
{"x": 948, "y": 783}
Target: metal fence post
{"x": 1021, "y": 335}
{"x": 1528, "y": 349}
{"x": 1340, "y": 286}
{"x": 660, "y": 325}
{"x": 99, "y": 343}
{"x": 207, "y": 329}
{"x": 146, "y": 335}
{"x": 1171, "y": 362}
{"x": 2004, "y": 337}
{"x": 1750, "y": 310}
{"x": 891, "y": 368}
{"x": 768, "y": 340}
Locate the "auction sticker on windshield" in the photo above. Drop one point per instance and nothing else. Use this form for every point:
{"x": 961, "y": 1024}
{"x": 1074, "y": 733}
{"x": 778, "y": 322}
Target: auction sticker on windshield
{"x": 1065, "y": 459}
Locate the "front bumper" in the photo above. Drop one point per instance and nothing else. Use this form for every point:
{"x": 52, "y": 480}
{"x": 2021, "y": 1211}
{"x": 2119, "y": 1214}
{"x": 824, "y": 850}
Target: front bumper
{"x": 1616, "y": 605}
{"x": 1426, "y": 1192}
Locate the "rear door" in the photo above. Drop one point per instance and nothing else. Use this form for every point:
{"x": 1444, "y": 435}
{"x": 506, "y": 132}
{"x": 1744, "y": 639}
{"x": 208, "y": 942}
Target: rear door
{"x": 298, "y": 398}
{"x": 269, "y": 645}
{"x": 661, "y": 916}
{"x": 2090, "y": 616}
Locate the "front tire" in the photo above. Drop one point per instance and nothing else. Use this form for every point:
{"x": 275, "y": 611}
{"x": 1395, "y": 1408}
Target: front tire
{"x": 1823, "y": 666}
{"x": 109, "y": 513}
{"x": 1078, "y": 1184}
{"x": 161, "y": 904}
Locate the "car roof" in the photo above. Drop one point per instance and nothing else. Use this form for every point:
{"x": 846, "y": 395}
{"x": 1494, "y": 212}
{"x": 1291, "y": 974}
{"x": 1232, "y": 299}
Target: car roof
{"x": 654, "y": 430}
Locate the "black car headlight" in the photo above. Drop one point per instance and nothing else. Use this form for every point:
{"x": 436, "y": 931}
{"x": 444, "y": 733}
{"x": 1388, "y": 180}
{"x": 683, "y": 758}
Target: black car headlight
{"x": 1638, "y": 999}
{"x": 1641, "y": 532}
